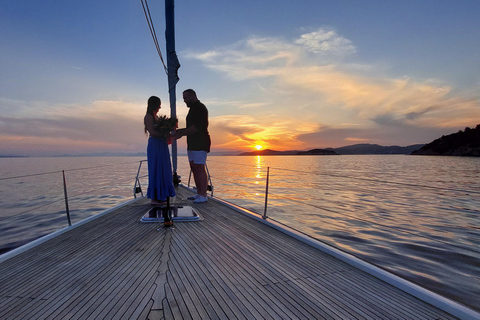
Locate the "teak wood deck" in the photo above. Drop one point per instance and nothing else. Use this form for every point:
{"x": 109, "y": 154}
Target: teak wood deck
{"x": 226, "y": 266}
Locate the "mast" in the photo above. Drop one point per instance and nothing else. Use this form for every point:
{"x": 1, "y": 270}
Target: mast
{"x": 172, "y": 70}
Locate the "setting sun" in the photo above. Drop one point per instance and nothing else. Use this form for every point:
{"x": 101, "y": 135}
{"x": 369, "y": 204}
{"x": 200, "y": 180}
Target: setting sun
{"x": 258, "y": 147}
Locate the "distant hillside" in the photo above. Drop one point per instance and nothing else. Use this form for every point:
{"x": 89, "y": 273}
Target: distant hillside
{"x": 269, "y": 152}
{"x": 324, "y": 152}
{"x": 353, "y": 149}
{"x": 463, "y": 143}
{"x": 366, "y": 148}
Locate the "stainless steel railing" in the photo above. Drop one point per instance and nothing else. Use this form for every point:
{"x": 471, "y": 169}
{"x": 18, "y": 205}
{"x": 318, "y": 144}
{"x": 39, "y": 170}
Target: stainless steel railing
{"x": 137, "y": 188}
{"x": 33, "y": 205}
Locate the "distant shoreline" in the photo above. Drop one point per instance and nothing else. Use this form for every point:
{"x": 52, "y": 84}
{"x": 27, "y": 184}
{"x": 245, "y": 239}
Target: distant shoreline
{"x": 356, "y": 149}
{"x": 462, "y": 143}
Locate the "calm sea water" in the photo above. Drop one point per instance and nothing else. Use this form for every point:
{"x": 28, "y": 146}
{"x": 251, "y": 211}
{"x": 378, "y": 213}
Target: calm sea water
{"x": 416, "y": 216}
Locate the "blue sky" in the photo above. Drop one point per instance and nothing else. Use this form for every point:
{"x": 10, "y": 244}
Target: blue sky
{"x": 75, "y": 75}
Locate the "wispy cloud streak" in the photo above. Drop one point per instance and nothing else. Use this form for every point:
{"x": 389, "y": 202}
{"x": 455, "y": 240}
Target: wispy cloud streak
{"x": 314, "y": 79}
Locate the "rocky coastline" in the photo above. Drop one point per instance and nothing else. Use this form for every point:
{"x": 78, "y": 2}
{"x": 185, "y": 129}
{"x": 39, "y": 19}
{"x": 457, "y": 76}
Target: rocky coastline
{"x": 463, "y": 143}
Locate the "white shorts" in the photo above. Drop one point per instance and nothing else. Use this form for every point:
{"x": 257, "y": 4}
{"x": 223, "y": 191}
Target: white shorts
{"x": 198, "y": 157}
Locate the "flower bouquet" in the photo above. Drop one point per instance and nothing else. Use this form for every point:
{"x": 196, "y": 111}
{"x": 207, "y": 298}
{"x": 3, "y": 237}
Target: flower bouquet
{"x": 165, "y": 125}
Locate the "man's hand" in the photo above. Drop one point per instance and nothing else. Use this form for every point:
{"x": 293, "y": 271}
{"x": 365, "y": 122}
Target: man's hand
{"x": 178, "y": 134}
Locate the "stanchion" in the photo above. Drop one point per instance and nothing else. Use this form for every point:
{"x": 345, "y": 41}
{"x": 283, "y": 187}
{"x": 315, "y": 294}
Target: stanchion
{"x": 266, "y": 195}
{"x": 66, "y": 199}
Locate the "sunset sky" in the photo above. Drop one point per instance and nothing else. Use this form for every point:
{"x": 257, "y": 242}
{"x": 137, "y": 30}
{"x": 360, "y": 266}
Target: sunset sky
{"x": 285, "y": 75}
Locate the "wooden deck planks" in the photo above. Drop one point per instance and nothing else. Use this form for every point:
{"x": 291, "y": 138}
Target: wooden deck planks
{"x": 249, "y": 289}
{"x": 209, "y": 288}
{"x": 69, "y": 261}
{"x": 226, "y": 266}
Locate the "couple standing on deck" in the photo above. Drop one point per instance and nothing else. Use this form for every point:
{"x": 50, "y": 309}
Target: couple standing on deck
{"x": 160, "y": 180}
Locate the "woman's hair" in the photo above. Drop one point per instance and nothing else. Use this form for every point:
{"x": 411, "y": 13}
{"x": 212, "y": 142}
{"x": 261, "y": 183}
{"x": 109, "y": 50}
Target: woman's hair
{"x": 152, "y": 106}
{"x": 153, "y": 103}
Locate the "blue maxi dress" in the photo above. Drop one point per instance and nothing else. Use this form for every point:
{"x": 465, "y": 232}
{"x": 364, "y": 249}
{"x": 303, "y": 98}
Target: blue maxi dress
{"x": 160, "y": 180}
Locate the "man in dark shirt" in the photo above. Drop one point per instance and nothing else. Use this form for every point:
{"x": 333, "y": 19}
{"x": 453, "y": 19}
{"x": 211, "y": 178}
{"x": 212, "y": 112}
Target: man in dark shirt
{"x": 198, "y": 142}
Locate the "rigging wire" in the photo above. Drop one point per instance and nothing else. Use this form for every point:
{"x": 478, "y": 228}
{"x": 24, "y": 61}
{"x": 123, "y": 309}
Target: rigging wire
{"x": 31, "y": 209}
{"x": 146, "y": 10}
{"x": 274, "y": 195}
{"x": 353, "y": 217}
{"x": 67, "y": 170}
{"x": 309, "y": 173}
{"x": 71, "y": 197}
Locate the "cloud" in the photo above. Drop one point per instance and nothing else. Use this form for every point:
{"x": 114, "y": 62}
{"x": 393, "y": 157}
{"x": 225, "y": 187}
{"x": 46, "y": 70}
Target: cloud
{"x": 314, "y": 79}
{"x": 232, "y": 130}
{"x": 99, "y": 126}
{"x": 396, "y": 135}
{"x": 247, "y": 131}
{"x": 249, "y": 59}
{"x": 306, "y": 92}
{"x": 326, "y": 41}
{"x": 233, "y": 104}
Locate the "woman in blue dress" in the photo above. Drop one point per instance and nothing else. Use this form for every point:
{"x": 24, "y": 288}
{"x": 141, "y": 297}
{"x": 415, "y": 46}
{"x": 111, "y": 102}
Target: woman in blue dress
{"x": 160, "y": 182}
